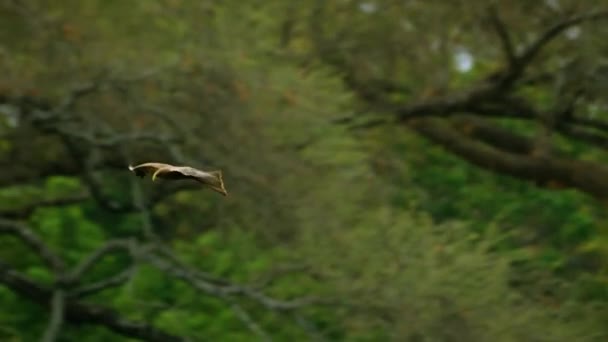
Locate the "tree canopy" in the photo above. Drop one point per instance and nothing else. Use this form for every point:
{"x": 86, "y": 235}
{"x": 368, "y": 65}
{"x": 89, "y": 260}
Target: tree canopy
{"x": 396, "y": 170}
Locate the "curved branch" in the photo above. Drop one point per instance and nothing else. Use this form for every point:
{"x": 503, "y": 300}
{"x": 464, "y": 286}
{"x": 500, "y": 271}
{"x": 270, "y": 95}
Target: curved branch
{"x": 224, "y": 291}
{"x": 89, "y": 262}
{"x": 96, "y": 287}
{"x": 587, "y": 176}
{"x": 503, "y": 34}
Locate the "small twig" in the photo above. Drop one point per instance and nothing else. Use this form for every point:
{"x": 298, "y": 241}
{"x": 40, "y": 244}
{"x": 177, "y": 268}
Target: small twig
{"x": 246, "y": 318}
{"x": 527, "y": 56}
{"x": 56, "y": 321}
{"x": 90, "y": 261}
{"x": 503, "y": 34}
{"x": 104, "y": 284}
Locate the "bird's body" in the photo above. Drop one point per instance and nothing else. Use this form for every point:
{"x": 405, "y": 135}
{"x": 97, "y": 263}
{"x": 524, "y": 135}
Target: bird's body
{"x": 213, "y": 179}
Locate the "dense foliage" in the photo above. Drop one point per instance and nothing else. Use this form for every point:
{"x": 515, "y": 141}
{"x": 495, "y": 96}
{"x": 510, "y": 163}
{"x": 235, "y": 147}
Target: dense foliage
{"x": 343, "y": 222}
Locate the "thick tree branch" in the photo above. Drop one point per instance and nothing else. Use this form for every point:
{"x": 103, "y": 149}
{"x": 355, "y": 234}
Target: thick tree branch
{"x": 586, "y": 176}
{"x": 584, "y": 135}
{"x": 491, "y": 134}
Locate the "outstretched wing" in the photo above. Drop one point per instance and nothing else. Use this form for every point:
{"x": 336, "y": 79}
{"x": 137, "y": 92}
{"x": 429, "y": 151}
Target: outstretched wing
{"x": 213, "y": 179}
{"x": 148, "y": 168}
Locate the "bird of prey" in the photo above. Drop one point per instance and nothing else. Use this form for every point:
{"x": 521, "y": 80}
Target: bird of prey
{"x": 212, "y": 179}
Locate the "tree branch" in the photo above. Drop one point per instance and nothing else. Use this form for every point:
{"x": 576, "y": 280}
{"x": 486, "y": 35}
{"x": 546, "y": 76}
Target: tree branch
{"x": 505, "y": 38}
{"x": 583, "y": 175}
{"x": 590, "y": 123}
{"x": 482, "y": 130}
{"x": 584, "y": 135}
{"x": 524, "y": 59}
{"x": 224, "y": 291}
{"x": 90, "y": 261}
{"x": 79, "y": 313}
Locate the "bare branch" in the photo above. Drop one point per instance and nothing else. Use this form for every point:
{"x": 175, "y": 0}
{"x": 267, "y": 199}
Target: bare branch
{"x": 33, "y": 241}
{"x": 524, "y": 59}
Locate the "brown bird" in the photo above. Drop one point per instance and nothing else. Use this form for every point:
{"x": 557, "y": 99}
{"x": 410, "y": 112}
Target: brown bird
{"x": 213, "y": 179}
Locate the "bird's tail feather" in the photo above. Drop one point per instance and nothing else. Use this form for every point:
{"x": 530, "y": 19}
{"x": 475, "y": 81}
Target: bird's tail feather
{"x": 217, "y": 183}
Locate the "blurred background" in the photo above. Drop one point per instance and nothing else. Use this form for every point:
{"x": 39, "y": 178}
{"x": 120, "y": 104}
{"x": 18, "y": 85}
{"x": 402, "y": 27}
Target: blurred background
{"x": 396, "y": 170}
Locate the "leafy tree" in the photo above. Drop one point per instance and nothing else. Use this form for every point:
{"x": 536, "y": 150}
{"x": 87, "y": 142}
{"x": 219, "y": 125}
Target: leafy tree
{"x": 339, "y": 224}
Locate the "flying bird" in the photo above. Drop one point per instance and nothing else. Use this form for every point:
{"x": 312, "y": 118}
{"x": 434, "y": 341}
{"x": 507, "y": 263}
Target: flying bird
{"x": 212, "y": 179}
